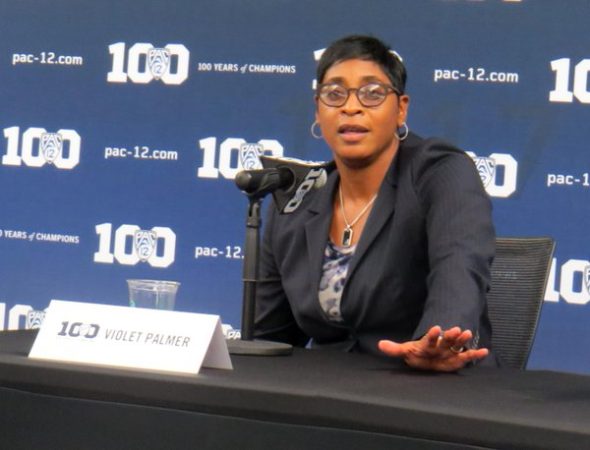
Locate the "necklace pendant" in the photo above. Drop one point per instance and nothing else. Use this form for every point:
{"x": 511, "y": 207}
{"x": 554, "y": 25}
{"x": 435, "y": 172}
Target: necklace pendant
{"x": 347, "y": 237}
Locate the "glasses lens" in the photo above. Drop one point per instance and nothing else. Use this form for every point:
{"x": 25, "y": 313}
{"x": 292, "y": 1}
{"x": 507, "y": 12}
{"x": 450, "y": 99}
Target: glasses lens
{"x": 372, "y": 94}
{"x": 333, "y": 95}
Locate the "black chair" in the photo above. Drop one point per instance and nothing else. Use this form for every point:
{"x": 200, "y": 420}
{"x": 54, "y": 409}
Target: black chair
{"x": 519, "y": 276}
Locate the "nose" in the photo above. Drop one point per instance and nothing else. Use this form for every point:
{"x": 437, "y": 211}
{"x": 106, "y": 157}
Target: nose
{"x": 352, "y": 105}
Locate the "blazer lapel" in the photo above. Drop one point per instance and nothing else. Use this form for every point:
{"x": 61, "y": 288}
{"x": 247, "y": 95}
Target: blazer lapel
{"x": 380, "y": 213}
{"x": 317, "y": 228}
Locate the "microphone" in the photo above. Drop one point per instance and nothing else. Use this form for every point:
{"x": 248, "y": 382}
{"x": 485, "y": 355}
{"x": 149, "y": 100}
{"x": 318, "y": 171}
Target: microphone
{"x": 260, "y": 182}
{"x": 288, "y": 179}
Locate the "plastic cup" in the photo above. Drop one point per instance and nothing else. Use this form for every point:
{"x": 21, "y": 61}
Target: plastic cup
{"x": 154, "y": 294}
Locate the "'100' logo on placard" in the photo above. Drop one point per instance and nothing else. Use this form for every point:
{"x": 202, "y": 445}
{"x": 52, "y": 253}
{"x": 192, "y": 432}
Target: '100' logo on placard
{"x": 37, "y": 147}
{"x": 146, "y": 63}
{"x": 79, "y": 329}
{"x": 132, "y": 245}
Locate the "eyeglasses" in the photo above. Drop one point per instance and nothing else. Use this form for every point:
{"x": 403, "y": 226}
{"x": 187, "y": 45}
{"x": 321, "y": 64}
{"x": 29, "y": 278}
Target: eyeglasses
{"x": 370, "y": 94}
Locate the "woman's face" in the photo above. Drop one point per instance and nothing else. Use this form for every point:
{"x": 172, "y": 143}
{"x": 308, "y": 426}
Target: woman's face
{"x": 360, "y": 135}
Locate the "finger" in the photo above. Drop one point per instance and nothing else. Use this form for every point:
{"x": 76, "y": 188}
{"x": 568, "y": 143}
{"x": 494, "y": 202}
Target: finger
{"x": 433, "y": 336}
{"x": 452, "y": 333}
{"x": 462, "y": 340}
{"x": 440, "y": 364}
{"x": 455, "y": 339}
{"x": 466, "y": 335}
{"x": 472, "y": 355}
{"x": 451, "y": 363}
{"x": 392, "y": 348}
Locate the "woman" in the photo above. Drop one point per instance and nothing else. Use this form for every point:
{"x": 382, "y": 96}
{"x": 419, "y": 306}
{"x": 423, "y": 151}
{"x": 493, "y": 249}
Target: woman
{"x": 392, "y": 255}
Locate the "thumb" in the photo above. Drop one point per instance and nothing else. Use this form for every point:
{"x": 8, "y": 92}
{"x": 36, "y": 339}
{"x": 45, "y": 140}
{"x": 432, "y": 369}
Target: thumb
{"x": 391, "y": 348}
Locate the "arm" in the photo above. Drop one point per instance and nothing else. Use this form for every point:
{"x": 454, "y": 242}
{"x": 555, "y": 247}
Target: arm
{"x": 460, "y": 241}
{"x": 274, "y": 319}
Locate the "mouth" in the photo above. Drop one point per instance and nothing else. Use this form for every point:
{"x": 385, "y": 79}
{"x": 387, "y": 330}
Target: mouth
{"x": 352, "y": 132}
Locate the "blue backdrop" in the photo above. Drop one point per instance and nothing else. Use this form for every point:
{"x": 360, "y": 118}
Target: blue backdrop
{"x": 122, "y": 122}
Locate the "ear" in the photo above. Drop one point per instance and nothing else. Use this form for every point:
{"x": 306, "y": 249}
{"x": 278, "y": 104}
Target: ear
{"x": 403, "y": 106}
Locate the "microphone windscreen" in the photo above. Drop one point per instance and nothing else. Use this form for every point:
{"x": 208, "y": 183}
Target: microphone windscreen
{"x": 308, "y": 175}
{"x": 243, "y": 180}
{"x": 321, "y": 180}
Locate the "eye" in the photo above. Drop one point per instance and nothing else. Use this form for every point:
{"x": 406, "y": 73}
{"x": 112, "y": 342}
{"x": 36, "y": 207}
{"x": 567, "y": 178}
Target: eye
{"x": 373, "y": 91}
{"x": 333, "y": 93}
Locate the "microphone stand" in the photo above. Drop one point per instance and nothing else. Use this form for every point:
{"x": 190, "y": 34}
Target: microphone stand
{"x": 247, "y": 345}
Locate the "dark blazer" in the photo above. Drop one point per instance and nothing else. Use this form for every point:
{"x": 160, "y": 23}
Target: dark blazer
{"x": 423, "y": 258}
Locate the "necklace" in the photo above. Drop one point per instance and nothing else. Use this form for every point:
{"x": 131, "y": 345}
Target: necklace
{"x": 348, "y": 231}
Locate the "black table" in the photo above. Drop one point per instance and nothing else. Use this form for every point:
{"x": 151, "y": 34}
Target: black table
{"x": 310, "y": 400}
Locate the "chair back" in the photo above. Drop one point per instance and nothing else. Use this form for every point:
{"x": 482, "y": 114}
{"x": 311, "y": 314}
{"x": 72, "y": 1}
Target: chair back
{"x": 519, "y": 275}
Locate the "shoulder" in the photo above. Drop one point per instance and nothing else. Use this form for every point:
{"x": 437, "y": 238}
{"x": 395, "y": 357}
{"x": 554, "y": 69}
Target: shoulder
{"x": 424, "y": 158}
{"x": 428, "y": 151}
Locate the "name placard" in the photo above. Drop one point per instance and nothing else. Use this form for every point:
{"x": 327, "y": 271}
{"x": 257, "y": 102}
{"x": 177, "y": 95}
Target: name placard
{"x": 136, "y": 338}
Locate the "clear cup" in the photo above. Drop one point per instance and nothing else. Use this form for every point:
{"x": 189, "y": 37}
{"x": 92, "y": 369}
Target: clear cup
{"x": 155, "y": 294}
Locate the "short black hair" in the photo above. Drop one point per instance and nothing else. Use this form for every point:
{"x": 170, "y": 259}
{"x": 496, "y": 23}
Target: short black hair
{"x": 367, "y": 48}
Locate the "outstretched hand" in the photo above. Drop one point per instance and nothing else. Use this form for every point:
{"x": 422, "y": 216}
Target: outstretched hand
{"x": 436, "y": 350}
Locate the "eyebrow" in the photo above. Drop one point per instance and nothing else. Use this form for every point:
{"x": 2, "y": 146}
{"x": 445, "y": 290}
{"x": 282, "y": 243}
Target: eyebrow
{"x": 342, "y": 79}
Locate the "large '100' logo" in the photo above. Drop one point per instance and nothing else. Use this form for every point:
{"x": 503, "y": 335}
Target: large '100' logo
{"x": 132, "y": 245}
{"x": 233, "y": 155}
{"x": 498, "y": 173}
{"x": 146, "y": 63}
{"x": 563, "y": 91}
{"x": 37, "y": 147}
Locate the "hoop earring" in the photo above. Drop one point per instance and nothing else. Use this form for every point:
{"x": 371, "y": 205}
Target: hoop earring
{"x": 313, "y": 125}
{"x": 405, "y": 133}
